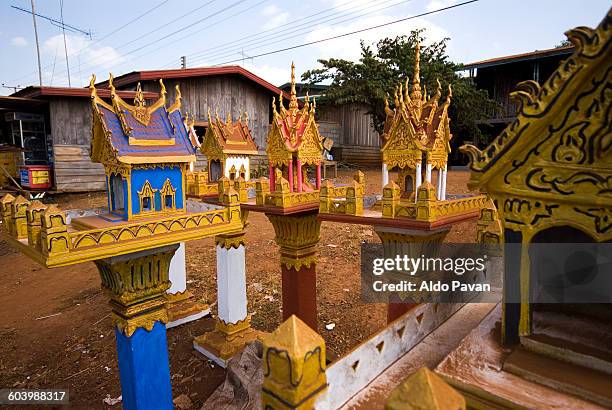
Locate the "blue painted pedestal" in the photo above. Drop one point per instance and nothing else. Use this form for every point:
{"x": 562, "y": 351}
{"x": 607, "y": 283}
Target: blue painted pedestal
{"x": 144, "y": 369}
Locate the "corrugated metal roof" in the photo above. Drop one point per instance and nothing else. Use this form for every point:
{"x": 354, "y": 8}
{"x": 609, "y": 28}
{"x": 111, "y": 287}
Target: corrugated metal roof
{"x": 567, "y": 50}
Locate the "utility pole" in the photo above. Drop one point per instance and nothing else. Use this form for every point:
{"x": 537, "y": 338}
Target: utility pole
{"x": 37, "y": 45}
{"x": 65, "y": 46}
{"x": 184, "y": 62}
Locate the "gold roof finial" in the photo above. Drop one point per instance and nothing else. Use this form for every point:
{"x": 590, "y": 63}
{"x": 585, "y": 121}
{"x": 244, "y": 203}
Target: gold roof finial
{"x": 217, "y": 119}
{"x": 111, "y": 86}
{"x": 274, "y": 105}
{"x": 209, "y": 117}
{"x": 293, "y": 103}
{"x": 92, "y": 86}
{"x": 139, "y": 100}
{"x": 228, "y": 118}
{"x": 388, "y": 110}
{"x": 281, "y": 106}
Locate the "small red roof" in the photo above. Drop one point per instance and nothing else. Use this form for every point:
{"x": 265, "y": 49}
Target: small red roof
{"x": 136, "y": 76}
{"x": 35, "y": 92}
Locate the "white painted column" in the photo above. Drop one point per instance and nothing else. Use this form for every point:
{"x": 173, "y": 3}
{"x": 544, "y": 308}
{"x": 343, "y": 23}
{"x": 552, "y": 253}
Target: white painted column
{"x": 418, "y": 180}
{"x": 385, "y": 175}
{"x": 231, "y": 284}
{"x": 178, "y": 272}
{"x": 444, "y": 183}
{"x": 439, "y": 187}
{"x": 428, "y": 173}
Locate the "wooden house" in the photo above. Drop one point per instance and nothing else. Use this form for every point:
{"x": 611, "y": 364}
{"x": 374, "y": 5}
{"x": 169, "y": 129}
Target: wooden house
{"x": 500, "y": 75}
{"x": 54, "y": 125}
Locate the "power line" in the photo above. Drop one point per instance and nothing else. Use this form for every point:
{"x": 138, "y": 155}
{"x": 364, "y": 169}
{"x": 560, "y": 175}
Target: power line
{"x": 96, "y": 60}
{"x": 274, "y": 30}
{"x": 97, "y": 41}
{"x": 355, "y": 32}
{"x": 299, "y": 31}
{"x": 55, "y": 22}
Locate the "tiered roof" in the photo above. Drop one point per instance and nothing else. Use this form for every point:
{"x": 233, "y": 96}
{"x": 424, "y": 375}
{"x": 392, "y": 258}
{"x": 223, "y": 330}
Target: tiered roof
{"x": 224, "y": 138}
{"x": 294, "y": 130}
{"x": 138, "y": 134}
{"x": 417, "y": 124}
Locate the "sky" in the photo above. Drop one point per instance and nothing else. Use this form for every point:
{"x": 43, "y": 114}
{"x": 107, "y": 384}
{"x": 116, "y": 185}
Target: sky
{"x": 130, "y": 35}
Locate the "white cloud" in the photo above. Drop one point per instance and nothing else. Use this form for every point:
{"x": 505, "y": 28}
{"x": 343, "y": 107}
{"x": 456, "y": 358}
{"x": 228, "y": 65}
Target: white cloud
{"x": 274, "y": 17}
{"x": 98, "y": 56}
{"x": 272, "y": 74}
{"x": 349, "y": 48}
{"x": 19, "y": 42}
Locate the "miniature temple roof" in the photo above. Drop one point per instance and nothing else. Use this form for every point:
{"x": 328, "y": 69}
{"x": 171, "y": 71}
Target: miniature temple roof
{"x": 228, "y": 137}
{"x": 294, "y": 130}
{"x": 418, "y": 123}
{"x": 561, "y": 129}
{"x": 139, "y": 134}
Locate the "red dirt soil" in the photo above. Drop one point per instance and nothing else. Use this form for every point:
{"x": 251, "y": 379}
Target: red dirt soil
{"x": 56, "y": 330}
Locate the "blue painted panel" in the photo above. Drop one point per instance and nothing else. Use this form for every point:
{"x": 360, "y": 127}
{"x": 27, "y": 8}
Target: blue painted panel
{"x": 144, "y": 369}
{"x": 156, "y": 177}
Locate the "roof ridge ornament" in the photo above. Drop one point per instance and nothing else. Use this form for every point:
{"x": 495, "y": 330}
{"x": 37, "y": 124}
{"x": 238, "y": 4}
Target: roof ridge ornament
{"x": 293, "y": 103}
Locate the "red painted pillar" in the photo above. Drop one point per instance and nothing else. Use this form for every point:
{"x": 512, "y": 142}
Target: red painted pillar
{"x": 299, "y": 175}
{"x": 298, "y": 260}
{"x": 291, "y": 175}
{"x": 300, "y": 293}
{"x": 319, "y": 175}
{"x": 272, "y": 182}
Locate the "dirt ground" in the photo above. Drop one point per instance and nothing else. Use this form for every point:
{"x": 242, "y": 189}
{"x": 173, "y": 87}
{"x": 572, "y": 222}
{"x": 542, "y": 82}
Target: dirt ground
{"x": 56, "y": 331}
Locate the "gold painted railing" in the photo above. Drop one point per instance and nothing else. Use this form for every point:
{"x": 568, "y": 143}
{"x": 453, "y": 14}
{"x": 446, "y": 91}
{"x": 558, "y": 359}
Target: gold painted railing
{"x": 282, "y": 196}
{"x": 427, "y": 207}
{"x": 42, "y": 232}
{"x": 345, "y": 200}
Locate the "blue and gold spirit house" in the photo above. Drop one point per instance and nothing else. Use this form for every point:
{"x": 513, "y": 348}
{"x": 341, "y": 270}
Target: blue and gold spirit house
{"x": 145, "y": 151}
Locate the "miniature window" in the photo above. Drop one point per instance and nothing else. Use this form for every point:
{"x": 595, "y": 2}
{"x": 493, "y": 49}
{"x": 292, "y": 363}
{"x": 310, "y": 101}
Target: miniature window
{"x": 146, "y": 204}
{"x": 147, "y": 197}
{"x": 232, "y": 173}
{"x": 168, "y": 196}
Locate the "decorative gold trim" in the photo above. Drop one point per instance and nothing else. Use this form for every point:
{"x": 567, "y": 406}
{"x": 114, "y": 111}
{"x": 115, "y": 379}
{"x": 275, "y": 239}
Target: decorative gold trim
{"x": 168, "y": 190}
{"x": 147, "y": 143}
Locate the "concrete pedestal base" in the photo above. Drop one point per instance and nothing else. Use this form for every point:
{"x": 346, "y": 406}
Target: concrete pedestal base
{"x": 184, "y": 308}
{"x": 221, "y": 345}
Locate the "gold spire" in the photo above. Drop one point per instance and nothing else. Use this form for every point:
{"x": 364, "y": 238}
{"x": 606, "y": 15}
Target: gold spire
{"x": 416, "y": 78}
{"x": 293, "y": 103}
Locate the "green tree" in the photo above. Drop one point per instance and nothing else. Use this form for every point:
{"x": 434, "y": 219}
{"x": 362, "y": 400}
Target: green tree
{"x": 381, "y": 69}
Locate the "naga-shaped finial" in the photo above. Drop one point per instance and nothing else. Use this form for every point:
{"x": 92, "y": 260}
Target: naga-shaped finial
{"x": 92, "y": 87}
{"x": 139, "y": 100}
